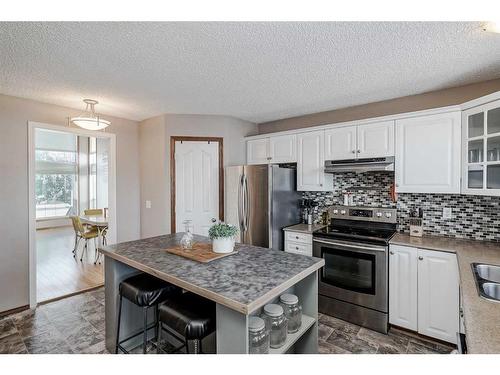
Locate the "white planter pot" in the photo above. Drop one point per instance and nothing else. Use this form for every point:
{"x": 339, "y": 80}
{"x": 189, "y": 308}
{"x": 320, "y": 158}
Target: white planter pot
{"x": 223, "y": 245}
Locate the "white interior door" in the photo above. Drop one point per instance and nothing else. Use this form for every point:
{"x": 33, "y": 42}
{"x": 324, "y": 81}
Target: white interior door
{"x": 196, "y": 185}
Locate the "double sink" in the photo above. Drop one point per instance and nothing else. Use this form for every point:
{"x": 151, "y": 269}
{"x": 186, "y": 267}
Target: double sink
{"x": 487, "y": 280}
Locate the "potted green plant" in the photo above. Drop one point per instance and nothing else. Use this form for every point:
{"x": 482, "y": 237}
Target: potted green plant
{"x": 222, "y": 236}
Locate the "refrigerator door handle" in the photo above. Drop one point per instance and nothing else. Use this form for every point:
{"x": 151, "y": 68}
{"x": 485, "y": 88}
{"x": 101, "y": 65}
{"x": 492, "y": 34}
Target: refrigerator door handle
{"x": 246, "y": 203}
{"x": 240, "y": 205}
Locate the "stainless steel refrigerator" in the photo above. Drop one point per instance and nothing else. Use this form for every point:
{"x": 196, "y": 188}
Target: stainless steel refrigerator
{"x": 261, "y": 200}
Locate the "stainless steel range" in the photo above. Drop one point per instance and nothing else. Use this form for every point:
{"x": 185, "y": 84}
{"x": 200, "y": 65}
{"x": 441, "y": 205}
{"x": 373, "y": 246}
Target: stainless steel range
{"x": 353, "y": 284}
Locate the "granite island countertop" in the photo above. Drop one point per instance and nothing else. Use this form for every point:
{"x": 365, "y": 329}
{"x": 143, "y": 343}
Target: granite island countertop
{"x": 242, "y": 282}
{"x": 481, "y": 317}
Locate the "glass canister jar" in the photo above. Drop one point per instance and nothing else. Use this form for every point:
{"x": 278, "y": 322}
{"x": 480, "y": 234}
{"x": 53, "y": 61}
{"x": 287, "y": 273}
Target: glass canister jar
{"x": 258, "y": 337}
{"x": 276, "y": 324}
{"x": 292, "y": 310}
{"x": 187, "y": 239}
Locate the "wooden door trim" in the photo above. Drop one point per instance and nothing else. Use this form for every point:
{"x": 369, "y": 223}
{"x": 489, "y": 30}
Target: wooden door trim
{"x": 174, "y": 139}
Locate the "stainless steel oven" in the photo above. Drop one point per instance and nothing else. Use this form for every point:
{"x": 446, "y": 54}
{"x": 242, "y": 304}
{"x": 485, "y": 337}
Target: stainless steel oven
{"x": 353, "y": 284}
{"x": 354, "y": 272}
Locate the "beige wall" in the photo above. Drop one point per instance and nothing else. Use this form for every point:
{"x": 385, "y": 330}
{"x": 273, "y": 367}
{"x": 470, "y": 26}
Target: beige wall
{"x": 155, "y": 160}
{"x": 435, "y": 99}
{"x": 14, "y": 115}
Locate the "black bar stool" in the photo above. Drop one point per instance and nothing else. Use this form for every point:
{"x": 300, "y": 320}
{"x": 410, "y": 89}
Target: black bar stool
{"x": 144, "y": 291}
{"x": 187, "y": 317}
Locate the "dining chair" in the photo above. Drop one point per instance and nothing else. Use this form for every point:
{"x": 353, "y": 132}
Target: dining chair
{"x": 104, "y": 231}
{"x": 82, "y": 233}
{"x": 94, "y": 211}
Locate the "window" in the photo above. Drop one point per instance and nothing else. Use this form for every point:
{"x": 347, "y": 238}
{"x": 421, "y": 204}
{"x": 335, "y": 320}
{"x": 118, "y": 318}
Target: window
{"x": 56, "y": 174}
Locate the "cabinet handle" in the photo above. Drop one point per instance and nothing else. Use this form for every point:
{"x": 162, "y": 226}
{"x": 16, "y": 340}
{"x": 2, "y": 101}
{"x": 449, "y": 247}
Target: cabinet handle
{"x": 296, "y": 247}
{"x": 391, "y": 252}
{"x": 420, "y": 258}
{"x": 320, "y": 184}
{"x": 353, "y": 151}
{"x": 297, "y": 237}
{"x": 358, "y": 151}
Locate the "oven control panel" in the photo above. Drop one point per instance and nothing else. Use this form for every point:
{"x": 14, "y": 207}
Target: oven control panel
{"x": 383, "y": 215}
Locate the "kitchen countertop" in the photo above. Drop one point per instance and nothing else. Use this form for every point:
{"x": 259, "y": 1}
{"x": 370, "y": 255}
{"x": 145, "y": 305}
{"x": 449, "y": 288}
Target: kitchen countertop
{"x": 305, "y": 228}
{"x": 481, "y": 317}
{"x": 240, "y": 282}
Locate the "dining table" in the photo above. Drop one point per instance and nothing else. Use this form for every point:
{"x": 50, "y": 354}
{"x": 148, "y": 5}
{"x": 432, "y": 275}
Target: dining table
{"x": 101, "y": 222}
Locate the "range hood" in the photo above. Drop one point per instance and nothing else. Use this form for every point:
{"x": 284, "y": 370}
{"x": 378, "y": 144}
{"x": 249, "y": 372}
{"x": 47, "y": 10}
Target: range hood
{"x": 360, "y": 165}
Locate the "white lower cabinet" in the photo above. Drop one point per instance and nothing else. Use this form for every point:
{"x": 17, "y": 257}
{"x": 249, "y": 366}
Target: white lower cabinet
{"x": 403, "y": 290}
{"x": 424, "y": 291}
{"x": 438, "y": 295}
{"x": 298, "y": 243}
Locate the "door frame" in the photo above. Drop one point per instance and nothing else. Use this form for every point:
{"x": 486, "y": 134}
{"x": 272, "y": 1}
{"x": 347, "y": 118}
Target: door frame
{"x": 174, "y": 139}
{"x": 32, "y": 125}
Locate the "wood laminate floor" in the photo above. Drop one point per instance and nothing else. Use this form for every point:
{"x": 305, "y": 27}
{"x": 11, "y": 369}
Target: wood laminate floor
{"x": 76, "y": 325}
{"x": 58, "y": 272}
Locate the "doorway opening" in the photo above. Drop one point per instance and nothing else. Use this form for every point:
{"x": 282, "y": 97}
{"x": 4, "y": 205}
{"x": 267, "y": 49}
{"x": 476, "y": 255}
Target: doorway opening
{"x": 72, "y": 209}
{"x": 197, "y": 182}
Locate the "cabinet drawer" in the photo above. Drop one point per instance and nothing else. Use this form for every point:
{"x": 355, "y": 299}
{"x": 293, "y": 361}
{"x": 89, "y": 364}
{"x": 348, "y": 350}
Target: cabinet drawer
{"x": 299, "y": 237}
{"x": 298, "y": 248}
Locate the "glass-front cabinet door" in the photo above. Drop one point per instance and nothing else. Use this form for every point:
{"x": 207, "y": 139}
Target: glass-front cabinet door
{"x": 481, "y": 150}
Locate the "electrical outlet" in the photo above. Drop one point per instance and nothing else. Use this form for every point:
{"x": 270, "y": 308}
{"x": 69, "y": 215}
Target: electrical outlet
{"x": 447, "y": 213}
{"x": 148, "y": 204}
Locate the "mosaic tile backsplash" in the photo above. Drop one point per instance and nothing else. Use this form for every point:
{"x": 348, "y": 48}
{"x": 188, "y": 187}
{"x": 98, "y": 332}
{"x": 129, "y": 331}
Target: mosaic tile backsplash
{"x": 473, "y": 217}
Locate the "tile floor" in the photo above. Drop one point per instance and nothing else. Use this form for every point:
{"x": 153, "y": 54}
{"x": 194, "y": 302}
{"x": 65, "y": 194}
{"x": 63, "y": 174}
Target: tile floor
{"x": 339, "y": 337}
{"x": 76, "y": 325}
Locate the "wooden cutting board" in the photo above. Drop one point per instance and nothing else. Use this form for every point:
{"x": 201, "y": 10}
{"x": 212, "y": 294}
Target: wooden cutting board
{"x": 201, "y": 252}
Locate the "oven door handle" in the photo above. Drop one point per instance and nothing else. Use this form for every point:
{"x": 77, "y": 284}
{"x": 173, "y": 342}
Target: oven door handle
{"x": 355, "y": 247}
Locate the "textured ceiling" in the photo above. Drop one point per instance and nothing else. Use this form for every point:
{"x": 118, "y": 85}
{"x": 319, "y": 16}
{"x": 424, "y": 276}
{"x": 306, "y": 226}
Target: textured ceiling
{"x": 254, "y": 71}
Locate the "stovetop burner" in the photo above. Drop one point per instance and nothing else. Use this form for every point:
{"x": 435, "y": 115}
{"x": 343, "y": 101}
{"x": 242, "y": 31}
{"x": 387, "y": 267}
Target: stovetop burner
{"x": 372, "y": 225}
{"x": 356, "y": 233}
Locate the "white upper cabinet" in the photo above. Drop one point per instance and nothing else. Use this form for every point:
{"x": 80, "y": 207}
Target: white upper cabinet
{"x": 360, "y": 141}
{"x": 375, "y": 140}
{"x": 283, "y": 149}
{"x": 311, "y": 163}
{"x": 438, "y": 295}
{"x": 277, "y": 149}
{"x": 258, "y": 151}
{"x": 403, "y": 286}
{"x": 428, "y": 154}
{"x": 481, "y": 150}
{"x": 340, "y": 143}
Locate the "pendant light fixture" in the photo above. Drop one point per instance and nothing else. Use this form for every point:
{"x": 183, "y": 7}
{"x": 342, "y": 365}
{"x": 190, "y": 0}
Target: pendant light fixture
{"x": 89, "y": 119}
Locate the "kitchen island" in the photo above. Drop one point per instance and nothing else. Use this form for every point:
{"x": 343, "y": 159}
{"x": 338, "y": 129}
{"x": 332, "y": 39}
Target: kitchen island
{"x": 240, "y": 285}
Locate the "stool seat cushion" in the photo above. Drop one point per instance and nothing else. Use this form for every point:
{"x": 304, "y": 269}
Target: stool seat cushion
{"x": 146, "y": 290}
{"x": 189, "y": 315}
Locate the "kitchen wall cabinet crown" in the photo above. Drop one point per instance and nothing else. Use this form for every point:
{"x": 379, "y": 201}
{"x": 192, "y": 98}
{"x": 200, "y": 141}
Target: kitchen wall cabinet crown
{"x": 424, "y": 291}
{"x": 311, "y": 163}
{"x": 276, "y": 149}
{"x": 481, "y": 150}
{"x": 428, "y": 154}
{"x": 360, "y": 141}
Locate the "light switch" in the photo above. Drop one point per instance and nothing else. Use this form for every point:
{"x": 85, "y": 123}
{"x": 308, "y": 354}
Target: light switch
{"x": 148, "y": 204}
{"x": 446, "y": 212}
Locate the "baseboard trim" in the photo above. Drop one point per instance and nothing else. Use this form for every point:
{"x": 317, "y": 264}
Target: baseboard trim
{"x": 420, "y": 336}
{"x": 14, "y": 311}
